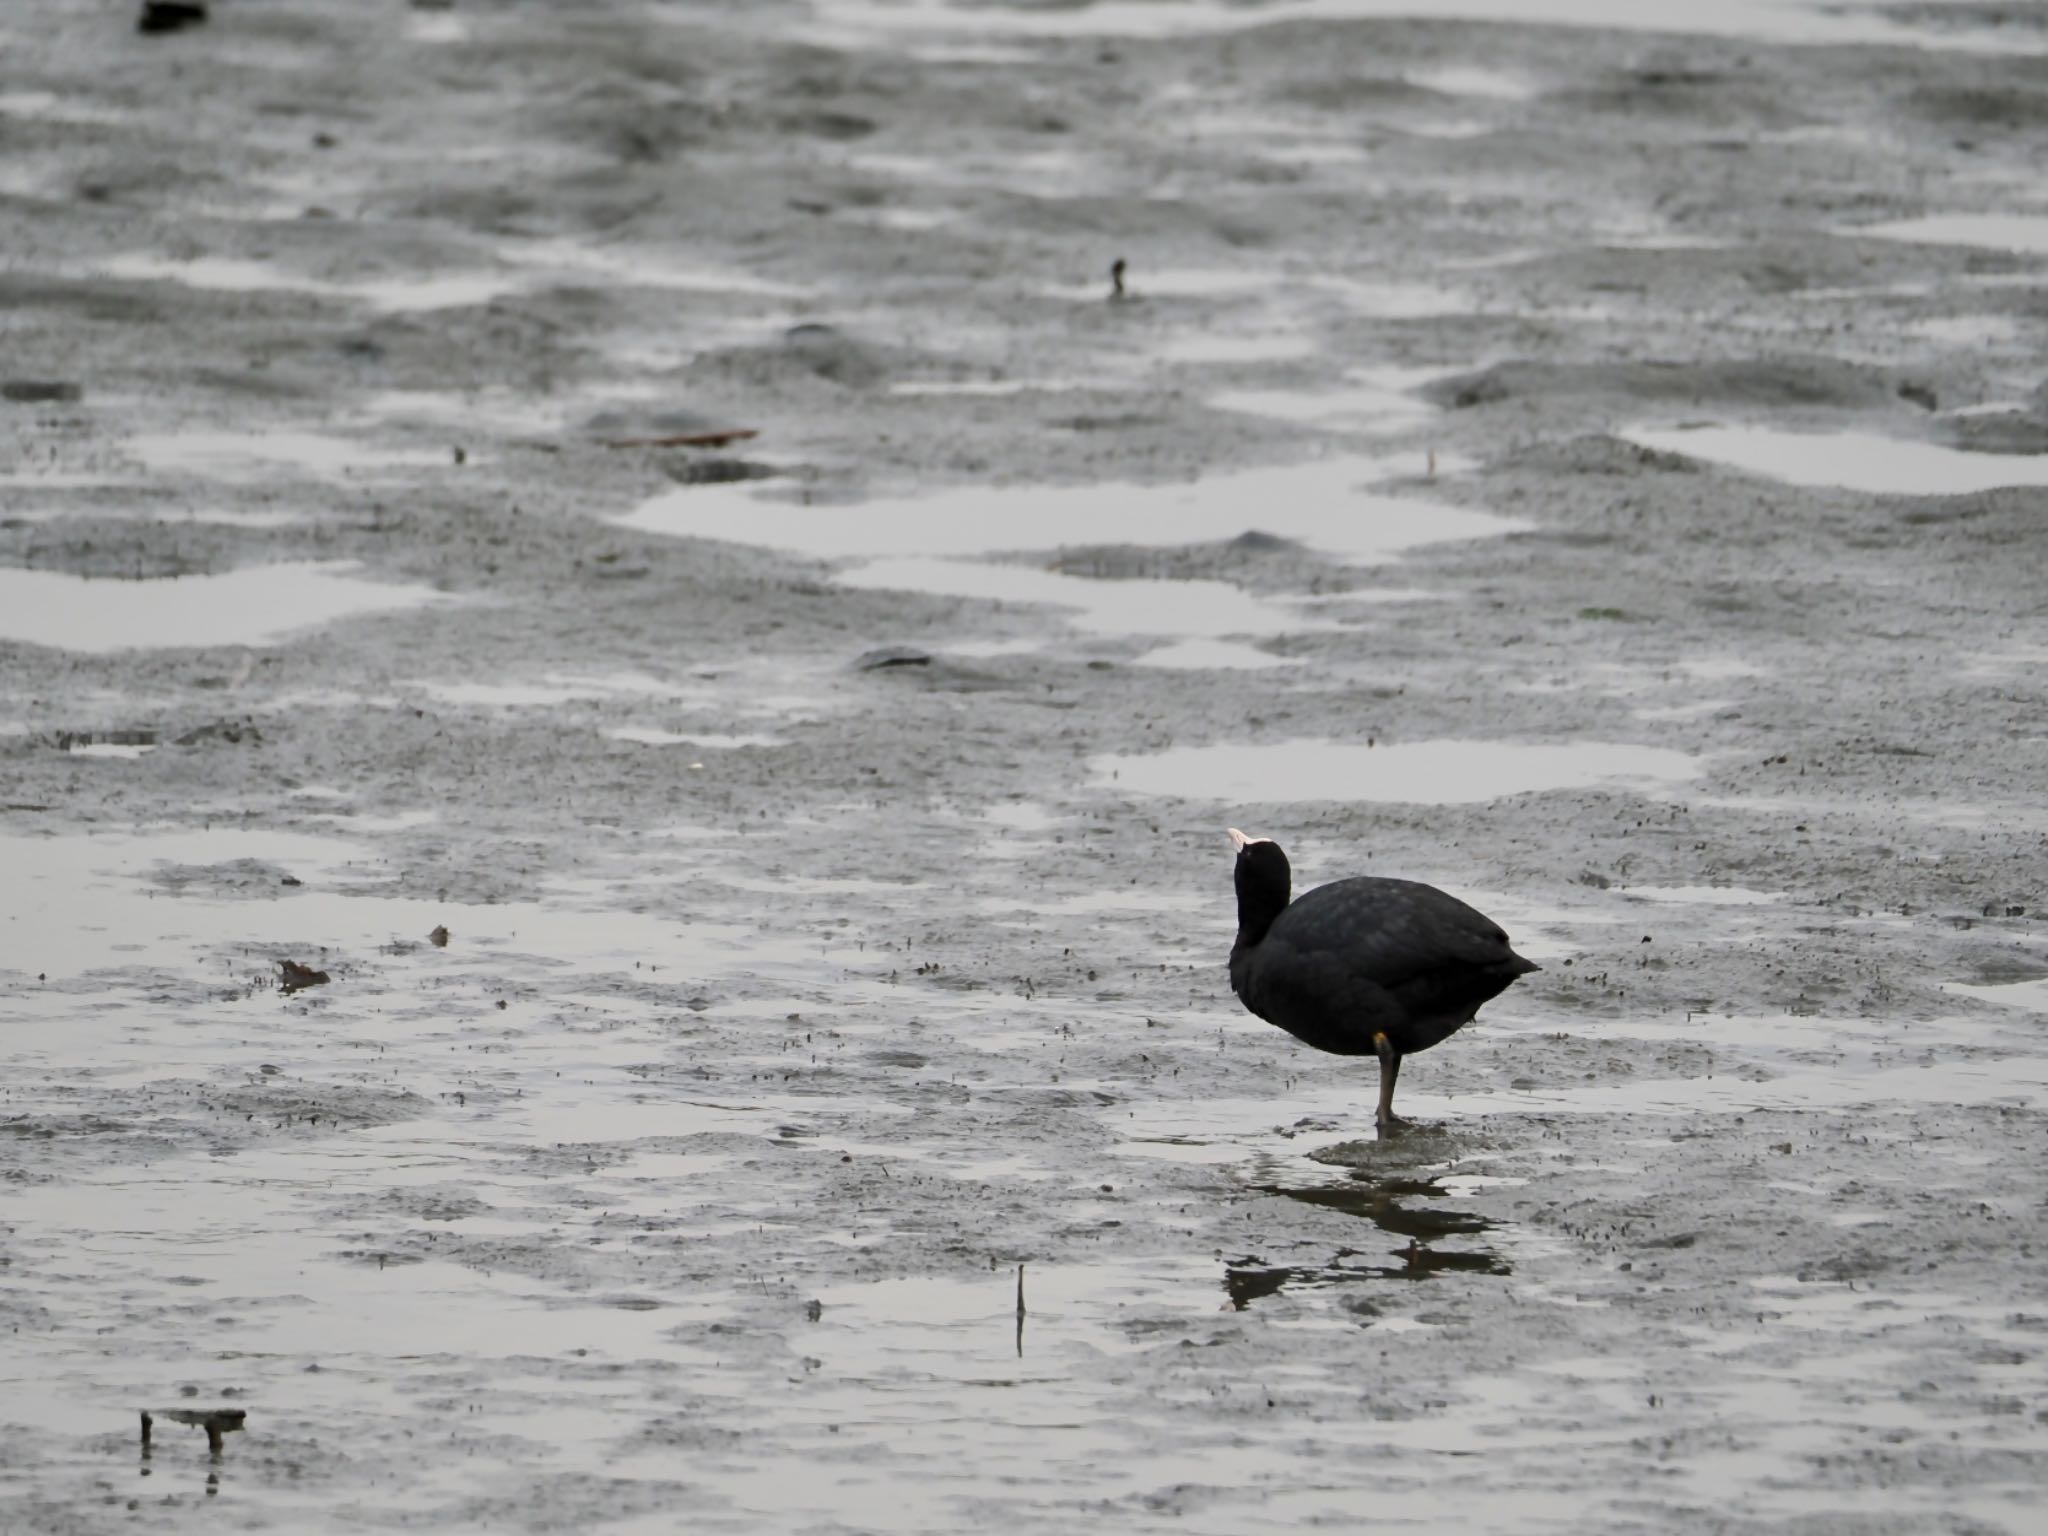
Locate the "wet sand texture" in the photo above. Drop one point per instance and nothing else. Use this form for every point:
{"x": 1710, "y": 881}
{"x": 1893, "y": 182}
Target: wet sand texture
{"x": 634, "y": 543}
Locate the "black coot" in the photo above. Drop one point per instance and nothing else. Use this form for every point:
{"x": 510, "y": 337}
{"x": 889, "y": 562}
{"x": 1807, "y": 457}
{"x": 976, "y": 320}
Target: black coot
{"x": 1362, "y": 967}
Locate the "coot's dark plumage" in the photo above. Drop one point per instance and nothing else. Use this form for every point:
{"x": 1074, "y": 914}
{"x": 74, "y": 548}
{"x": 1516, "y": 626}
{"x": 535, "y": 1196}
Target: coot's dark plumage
{"x": 1362, "y": 967}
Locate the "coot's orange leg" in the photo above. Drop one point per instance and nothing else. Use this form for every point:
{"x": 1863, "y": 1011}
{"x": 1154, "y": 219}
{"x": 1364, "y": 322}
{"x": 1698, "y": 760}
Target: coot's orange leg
{"x": 1390, "y": 1068}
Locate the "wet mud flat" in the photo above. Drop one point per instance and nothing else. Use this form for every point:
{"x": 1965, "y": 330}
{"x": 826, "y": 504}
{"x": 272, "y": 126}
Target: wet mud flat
{"x": 771, "y": 890}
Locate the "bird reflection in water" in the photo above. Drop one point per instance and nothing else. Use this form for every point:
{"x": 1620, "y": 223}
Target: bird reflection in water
{"x": 1381, "y": 1202}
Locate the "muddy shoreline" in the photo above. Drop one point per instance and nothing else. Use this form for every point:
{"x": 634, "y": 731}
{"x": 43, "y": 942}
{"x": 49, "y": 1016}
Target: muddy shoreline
{"x": 1595, "y": 470}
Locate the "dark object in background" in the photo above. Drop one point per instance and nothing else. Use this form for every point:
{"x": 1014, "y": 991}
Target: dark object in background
{"x": 715, "y": 471}
{"x": 1362, "y": 967}
{"x": 883, "y": 656}
{"x": 215, "y": 1421}
{"x": 294, "y": 977}
{"x": 170, "y": 15}
{"x": 40, "y": 392}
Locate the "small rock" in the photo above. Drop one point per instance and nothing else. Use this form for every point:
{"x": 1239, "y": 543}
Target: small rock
{"x": 1259, "y": 541}
{"x": 40, "y": 392}
{"x": 891, "y": 656}
{"x": 170, "y": 15}
{"x": 714, "y": 471}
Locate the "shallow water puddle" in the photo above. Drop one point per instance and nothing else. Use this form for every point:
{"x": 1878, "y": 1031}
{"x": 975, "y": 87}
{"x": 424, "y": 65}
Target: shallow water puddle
{"x": 1016, "y": 830}
{"x": 624, "y": 266}
{"x": 80, "y": 904}
{"x": 115, "y": 749}
{"x": 709, "y": 741}
{"x": 1471, "y": 80}
{"x": 2025, "y": 233}
{"x": 923, "y": 543}
{"x": 401, "y": 295}
{"x": 1421, "y": 773}
{"x": 495, "y": 410}
{"x": 1855, "y": 461}
{"x": 953, "y": 1329}
{"x": 1223, "y": 348}
{"x": 1213, "y": 655}
{"x": 2031, "y": 995}
{"x": 1780, "y": 21}
{"x": 1902, "y": 1083}
{"x": 1099, "y": 605}
{"x": 1369, "y": 401}
{"x": 990, "y": 1399}
{"x": 555, "y": 688}
{"x": 256, "y": 456}
{"x": 993, "y": 388}
{"x": 268, "y": 1282}
{"x": 1989, "y": 332}
{"x": 1702, "y": 895}
{"x": 1181, "y": 283}
{"x": 301, "y": 1291}
{"x": 606, "y": 1111}
{"x": 1322, "y": 503}
{"x": 1717, "y": 1065}
{"x": 256, "y": 605}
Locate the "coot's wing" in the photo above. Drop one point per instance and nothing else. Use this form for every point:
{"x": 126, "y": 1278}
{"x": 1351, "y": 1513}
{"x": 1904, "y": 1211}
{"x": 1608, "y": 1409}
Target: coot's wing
{"x": 1390, "y": 932}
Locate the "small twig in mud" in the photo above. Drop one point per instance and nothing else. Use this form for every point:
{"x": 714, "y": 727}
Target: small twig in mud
{"x": 1020, "y": 1311}
{"x": 685, "y": 439}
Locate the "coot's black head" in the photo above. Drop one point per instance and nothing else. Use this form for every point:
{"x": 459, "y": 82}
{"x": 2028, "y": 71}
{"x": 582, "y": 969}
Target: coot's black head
{"x": 1264, "y": 882}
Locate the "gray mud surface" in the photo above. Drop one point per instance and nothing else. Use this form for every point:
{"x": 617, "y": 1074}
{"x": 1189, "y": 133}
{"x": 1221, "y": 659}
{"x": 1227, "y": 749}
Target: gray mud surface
{"x": 789, "y": 1004}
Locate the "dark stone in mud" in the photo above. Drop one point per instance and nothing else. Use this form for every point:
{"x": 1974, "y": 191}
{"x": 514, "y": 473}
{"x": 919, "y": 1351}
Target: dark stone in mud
{"x": 829, "y": 353}
{"x": 40, "y": 392}
{"x": 294, "y": 977}
{"x": 907, "y": 1059}
{"x": 714, "y": 471}
{"x": 233, "y": 732}
{"x": 839, "y": 127}
{"x": 1258, "y": 541}
{"x": 1125, "y": 421}
{"x": 169, "y": 16}
{"x": 891, "y": 656}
